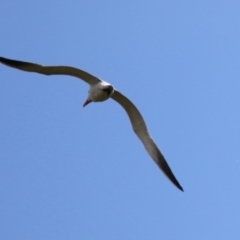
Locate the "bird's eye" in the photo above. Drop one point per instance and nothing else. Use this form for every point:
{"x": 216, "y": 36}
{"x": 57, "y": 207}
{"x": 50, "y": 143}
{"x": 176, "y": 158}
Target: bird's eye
{"x": 107, "y": 90}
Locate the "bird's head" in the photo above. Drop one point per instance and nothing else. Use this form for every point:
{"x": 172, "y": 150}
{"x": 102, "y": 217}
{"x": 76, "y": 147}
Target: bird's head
{"x": 99, "y": 93}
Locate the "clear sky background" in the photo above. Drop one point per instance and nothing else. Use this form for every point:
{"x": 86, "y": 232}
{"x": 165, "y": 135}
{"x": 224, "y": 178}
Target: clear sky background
{"x": 73, "y": 173}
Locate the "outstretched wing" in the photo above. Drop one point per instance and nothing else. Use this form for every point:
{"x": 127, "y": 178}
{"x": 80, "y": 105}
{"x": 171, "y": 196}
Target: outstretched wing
{"x": 141, "y": 130}
{"x": 51, "y": 70}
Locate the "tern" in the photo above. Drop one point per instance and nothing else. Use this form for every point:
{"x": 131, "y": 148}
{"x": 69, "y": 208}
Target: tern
{"x": 99, "y": 92}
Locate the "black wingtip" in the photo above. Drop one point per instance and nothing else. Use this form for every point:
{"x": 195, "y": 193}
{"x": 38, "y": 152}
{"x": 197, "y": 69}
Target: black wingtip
{"x": 176, "y": 183}
{"x": 12, "y": 63}
{"x": 180, "y": 188}
{"x": 163, "y": 165}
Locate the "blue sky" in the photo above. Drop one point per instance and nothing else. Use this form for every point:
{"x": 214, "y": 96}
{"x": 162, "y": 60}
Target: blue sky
{"x": 73, "y": 173}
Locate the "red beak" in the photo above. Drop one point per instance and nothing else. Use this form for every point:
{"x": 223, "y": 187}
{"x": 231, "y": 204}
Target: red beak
{"x": 87, "y": 102}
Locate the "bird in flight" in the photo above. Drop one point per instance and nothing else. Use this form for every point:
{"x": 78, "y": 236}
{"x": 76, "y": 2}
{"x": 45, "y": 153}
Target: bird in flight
{"x": 99, "y": 92}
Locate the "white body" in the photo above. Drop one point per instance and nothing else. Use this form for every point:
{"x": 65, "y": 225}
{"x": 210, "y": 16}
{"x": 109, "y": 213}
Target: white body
{"x": 96, "y": 93}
